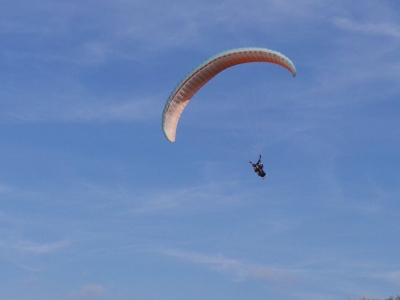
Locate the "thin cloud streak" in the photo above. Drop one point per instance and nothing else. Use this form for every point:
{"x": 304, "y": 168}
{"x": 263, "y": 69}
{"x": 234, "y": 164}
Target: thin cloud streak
{"x": 332, "y": 277}
{"x": 130, "y": 111}
{"x": 201, "y": 197}
{"x": 28, "y": 255}
{"x": 240, "y": 270}
{"x": 90, "y": 291}
{"x": 39, "y": 249}
{"x": 380, "y": 29}
{"x": 137, "y": 28}
{"x": 34, "y": 248}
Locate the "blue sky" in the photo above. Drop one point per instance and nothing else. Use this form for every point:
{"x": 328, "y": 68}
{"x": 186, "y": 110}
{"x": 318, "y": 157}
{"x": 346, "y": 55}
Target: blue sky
{"x": 95, "y": 203}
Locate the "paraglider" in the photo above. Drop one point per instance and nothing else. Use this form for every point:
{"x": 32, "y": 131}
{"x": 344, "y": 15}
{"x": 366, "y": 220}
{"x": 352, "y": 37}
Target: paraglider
{"x": 259, "y": 168}
{"x": 196, "y": 79}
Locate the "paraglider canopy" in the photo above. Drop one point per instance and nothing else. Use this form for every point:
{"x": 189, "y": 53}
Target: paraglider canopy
{"x": 197, "y": 78}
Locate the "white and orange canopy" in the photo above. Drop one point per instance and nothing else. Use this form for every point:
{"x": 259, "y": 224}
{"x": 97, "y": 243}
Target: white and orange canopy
{"x": 185, "y": 90}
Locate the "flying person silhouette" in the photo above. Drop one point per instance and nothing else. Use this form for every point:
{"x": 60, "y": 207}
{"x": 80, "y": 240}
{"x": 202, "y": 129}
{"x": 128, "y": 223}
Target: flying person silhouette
{"x": 258, "y": 168}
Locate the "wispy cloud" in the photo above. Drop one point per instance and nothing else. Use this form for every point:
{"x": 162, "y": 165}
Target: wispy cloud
{"x": 39, "y": 249}
{"x": 369, "y": 28}
{"x": 85, "y": 111}
{"x": 90, "y": 291}
{"x": 129, "y": 111}
{"x": 4, "y": 188}
{"x": 394, "y": 276}
{"x": 28, "y": 255}
{"x": 33, "y": 248}
{"x": 126, "y": 29}
{"x": 239, "y": 269}
{"x": 206, "y": 196}
{"x": 324, "y": 275}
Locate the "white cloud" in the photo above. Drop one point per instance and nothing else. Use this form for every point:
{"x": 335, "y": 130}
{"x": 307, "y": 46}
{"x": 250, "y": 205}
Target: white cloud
{"x": 85, "y": 111}
{"x": 239, "y": 269}
{"x": 324, "y": 270}
{"x": 128, "y": 111}
{"x": 393, "y": 276}
{"x": 4, "y": 189}
{"x": 369, "y": 28}
{"x": 126, "y": 28}
{"x": 27, "y": 255}
{"x": 90, "y": 291}
{"x": 206, "y": 196}
{"x": 39, "y": 249}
